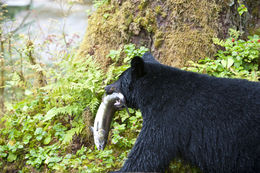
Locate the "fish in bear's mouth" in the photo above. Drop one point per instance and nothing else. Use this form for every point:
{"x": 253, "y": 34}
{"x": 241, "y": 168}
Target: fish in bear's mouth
{"x": 110, "y": 103}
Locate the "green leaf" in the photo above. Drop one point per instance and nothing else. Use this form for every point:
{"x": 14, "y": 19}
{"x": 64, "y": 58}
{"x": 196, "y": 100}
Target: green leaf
{"x": 11, "y": 157}
{"x": 38, "y": 138}
{"x": 47, "y": 140}
{"x": 3, "y": 151}
{"x": 230, "y": 62}
{"x": 3, "y": 154}
{"x": 50, "y": 114}
{"x": 38, "y": 131}
{"x": 241, "y": 9}
{"x": 224, "y": 62}
{"x": 28, "y": 92}
{"x": 106, "y": 15}
{"x": 20, "y": 146}
{"x": 26, "y": 139}
{"x": 68, "y": 136}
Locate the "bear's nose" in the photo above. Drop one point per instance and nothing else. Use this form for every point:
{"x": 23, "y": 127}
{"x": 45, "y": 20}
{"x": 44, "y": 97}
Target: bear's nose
{"x": 109, "y": 89}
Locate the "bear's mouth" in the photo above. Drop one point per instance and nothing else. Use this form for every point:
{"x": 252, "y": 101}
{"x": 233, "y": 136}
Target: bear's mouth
{"x": 120, "y": 103}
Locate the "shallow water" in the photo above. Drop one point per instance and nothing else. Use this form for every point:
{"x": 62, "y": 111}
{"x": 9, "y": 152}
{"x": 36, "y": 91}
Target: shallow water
{"x": 52, "y": 18}
{"x": 49, "y": 16}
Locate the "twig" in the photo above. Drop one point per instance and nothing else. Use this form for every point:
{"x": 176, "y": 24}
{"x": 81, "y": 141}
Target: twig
{"x": 23, "y": 21}
{"x": 2, "y": 80}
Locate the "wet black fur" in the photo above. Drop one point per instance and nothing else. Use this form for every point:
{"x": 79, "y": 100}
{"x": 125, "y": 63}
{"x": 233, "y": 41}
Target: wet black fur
{"x": 212, "y": 123}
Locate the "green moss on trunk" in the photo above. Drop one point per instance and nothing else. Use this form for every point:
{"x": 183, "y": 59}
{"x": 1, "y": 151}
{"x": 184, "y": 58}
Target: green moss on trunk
{"x": 174, "y": 30}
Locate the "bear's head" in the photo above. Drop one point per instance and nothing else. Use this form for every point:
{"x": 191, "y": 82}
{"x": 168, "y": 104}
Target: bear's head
{"x": 129, "y": 80}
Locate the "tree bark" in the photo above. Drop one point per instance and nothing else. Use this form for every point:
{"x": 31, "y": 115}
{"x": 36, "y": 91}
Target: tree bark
{"x": 175, "y": 31}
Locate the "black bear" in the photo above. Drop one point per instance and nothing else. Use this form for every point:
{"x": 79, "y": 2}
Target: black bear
{"x": 212, "y": 123}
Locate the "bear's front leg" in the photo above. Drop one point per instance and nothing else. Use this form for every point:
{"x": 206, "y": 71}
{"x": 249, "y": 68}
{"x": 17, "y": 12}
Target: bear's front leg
{"x": 149, "y": 153}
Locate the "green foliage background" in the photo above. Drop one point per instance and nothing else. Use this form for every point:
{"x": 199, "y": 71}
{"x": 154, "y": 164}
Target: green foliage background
{"x": 238, "y": 59}
{"x": 41, "y": 130}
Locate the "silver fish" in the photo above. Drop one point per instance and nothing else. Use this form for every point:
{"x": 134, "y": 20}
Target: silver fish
{"x": 106, "y": 110}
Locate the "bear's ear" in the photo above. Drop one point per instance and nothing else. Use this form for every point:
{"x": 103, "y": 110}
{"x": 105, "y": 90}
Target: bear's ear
{"x": 148, "y": 57}
{"x": 137, "y": 67}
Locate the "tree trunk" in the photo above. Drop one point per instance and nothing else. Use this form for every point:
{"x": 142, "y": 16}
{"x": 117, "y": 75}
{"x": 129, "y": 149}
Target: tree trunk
{"x": 174, "y": 30}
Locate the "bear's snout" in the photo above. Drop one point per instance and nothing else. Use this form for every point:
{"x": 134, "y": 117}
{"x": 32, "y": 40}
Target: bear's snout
{"x": 109, "y": 89}
{"x": 112, "y": 88}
